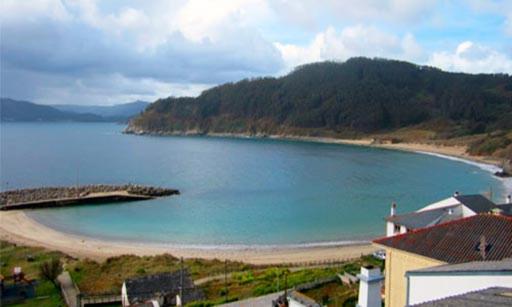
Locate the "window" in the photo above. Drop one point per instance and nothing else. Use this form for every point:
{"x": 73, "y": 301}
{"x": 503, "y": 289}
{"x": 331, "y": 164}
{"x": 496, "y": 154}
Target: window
{"x": 397, "y": 228}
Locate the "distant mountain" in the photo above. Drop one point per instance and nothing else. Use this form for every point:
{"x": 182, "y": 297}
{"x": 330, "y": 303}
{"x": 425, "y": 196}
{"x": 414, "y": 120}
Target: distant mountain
{"x": 358, "y": 97}
{"x": 15, "y": 110}
{"x": 116, "y": 112}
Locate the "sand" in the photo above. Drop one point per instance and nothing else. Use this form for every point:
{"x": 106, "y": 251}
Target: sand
{"x": 17, "y": 227}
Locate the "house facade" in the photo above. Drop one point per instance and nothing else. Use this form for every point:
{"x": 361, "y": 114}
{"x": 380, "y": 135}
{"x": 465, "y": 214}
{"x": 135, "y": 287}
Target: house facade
{"x": 481, "y": 237}
{"x": 454, "y": 279}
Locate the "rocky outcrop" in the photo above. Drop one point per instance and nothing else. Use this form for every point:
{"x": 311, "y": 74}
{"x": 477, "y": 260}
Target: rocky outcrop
{"x": 53, "y": 193}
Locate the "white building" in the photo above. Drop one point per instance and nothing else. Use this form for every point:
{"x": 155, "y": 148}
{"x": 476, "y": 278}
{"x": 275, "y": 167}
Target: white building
{"x": 434, "y": 283}
{"x": 449, "y": 209}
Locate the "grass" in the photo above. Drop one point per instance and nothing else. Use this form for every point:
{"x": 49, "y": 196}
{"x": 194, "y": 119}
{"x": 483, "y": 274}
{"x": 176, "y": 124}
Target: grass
{"x": 256, "y": 282}
{"x": 334, "y": 294}
{"x": 46, "y": 296}
{"x": 29, "y": 259}
{"x": 245, "y": 280}
{"x": 107, "y": 277}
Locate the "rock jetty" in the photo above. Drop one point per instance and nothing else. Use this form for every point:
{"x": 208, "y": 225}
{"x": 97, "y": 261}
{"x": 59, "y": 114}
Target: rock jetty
{"x": 70, "y": 195}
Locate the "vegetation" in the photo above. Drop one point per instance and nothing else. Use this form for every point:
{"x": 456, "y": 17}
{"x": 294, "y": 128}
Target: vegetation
{"x": 243, "y": 280}
{"x": 50, "y": 270}
{"x": 334, "y": 294}
{"x": 24, "y": 111}
{"x": 15, "y": 110}
{"x": 107, "y": 277}
{"x": 256, "y": 282}
{"x": 30, "y": 260}
{"x": 359, "y": 96}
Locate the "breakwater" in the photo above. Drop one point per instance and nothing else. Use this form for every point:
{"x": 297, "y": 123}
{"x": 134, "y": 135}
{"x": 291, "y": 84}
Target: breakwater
{"x": 46, "y": 197}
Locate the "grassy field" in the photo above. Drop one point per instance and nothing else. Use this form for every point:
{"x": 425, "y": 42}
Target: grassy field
{"x": 256, "y": 282}
{"x": 107, "y": 277}
{"x": 29, "y": 259}
{"x": 242, "y": 281}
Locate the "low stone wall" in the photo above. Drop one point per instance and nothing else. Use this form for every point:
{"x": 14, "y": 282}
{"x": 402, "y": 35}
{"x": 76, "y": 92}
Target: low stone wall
{"x": 54, "y": 193}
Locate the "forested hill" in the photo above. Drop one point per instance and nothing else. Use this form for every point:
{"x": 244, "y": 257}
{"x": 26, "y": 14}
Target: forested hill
{"x": 360, "y": 95}
{"x": 24, "y": 111}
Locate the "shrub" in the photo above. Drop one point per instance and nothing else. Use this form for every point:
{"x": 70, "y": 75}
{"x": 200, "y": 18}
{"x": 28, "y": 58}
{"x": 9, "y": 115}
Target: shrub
{"x": 49, "y": 270}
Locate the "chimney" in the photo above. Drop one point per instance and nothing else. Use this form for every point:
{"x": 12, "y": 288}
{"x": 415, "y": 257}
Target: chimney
{"x": 482, "y": 247}
{"x": 393, "y": 209}
{"x": 509, "y": 199}
{"x": 369, "y": 287}
{"x": 456, "y": 194}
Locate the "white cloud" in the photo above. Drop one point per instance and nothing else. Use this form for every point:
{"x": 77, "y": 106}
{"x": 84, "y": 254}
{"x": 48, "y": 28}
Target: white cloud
{"x": 12, "y": 10}
{"x": 111, "y": 50}
{"x": 201, "y": 19}
{"x": 160, "y": 47}
{"x": 352, "y": 41}
{"x": 472, "y": 58}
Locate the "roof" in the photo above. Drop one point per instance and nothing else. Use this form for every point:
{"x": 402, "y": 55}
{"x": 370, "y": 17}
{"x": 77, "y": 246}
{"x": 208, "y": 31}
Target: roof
{"x": 496, "y": 296}
{"x": 477, "y": 203}
{"x": 143, "y": 288}
{"x": 503, "y": 266}
{"x": 420, "y": 219}
{"x": 458, "y": 241}
{"x": 303, "y": 299}
{"x": 507, "y": 208}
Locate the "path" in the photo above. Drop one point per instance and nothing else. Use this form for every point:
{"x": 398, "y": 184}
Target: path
{"x": 68, "y": 288}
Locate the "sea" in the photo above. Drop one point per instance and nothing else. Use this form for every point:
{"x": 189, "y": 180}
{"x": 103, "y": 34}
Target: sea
{"x": 235, "y": 192}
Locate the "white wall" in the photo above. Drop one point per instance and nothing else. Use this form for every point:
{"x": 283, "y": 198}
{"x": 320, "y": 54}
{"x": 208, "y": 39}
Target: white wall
{"x": 427, "y": 288}
{"x": 466, "y": 212}
{"x": 124, "y": 296}
{"x": 403, "y": 229}
{"x": 390, "y": 229}
{"x": 369, "y": 294}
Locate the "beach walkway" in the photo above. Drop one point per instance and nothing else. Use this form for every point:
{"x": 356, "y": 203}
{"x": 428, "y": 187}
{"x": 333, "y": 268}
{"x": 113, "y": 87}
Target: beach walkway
{"x": 69, "y": 291}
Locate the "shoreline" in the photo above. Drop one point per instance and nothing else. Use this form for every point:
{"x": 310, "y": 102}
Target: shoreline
{"x": 452, "y": 152}
{"x": 17, "y": 227}
{"x": 447, "y": 150}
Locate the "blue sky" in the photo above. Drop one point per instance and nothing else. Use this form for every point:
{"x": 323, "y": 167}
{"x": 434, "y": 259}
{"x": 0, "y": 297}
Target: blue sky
{"x": 107, "y": 52}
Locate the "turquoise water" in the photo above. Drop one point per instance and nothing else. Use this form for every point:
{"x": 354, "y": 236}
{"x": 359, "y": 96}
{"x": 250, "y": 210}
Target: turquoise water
{"x": 234, "y": 191}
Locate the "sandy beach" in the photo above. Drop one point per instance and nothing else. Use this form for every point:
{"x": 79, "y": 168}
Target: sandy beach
{"x": 17, "y": 227}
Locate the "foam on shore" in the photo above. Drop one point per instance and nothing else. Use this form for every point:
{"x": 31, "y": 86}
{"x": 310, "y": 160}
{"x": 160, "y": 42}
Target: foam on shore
{"x": 507, "y": 182}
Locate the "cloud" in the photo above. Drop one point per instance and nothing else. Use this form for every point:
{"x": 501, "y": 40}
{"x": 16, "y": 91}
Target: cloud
{"x": 351, "y": 41}
{"x": 91, "y": 51}
{"x": 472, "y": 58}
{"x": 128, "y": 45}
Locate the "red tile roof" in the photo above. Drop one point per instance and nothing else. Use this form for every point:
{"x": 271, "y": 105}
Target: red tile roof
{"x": 458, "y": 241}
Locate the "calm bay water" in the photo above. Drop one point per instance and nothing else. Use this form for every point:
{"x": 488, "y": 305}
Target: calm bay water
{"x": 234, "y": 191}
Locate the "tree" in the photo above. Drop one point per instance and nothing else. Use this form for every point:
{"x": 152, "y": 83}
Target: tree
{"x": 49, "y": 270}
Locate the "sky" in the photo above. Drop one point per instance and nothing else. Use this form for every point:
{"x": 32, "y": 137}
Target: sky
{"x": 107, "y": 52}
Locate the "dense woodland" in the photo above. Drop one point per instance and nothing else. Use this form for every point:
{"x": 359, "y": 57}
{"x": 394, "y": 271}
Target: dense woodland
{"x": 358, "y": 97}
